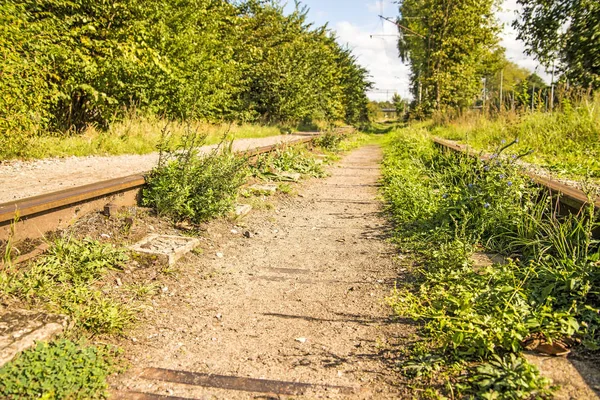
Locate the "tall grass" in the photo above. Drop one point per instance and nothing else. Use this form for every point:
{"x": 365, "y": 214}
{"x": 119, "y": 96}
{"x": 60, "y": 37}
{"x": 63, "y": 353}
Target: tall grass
{"x": 134, "y": 135}
{"x": 566, "y": 142}
{"x": 477, "y": 320}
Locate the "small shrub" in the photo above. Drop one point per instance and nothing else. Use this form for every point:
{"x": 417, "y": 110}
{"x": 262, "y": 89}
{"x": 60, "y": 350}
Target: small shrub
{"x": 58, "y": 370}
{"x": 189, "y": 186}
{"x": 329, "y": 141}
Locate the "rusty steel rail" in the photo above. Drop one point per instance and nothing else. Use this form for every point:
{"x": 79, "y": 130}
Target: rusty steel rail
{"x": 56, "y": 209}
{"x": 567, "y": 195}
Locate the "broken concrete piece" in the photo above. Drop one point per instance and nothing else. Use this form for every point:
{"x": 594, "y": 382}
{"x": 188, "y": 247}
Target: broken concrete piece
{"x": 167, "y": 247}
{"x": 242, "y": 209}
{"x": 268, "y": 188}
{"x": 20, "y": 329}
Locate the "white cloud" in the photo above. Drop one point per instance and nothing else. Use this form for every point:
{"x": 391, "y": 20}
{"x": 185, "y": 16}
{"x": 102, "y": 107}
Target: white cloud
{"x": 379, "y": 55}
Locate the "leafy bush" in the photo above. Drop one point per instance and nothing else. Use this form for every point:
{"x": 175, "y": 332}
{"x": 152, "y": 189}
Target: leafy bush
{"x": 189, "y": 186}
{"x": 329, "y": 141}
{"x": 62, "y": 280}
{"x": 58, "y": 370}
{"x": 448, "y": 205}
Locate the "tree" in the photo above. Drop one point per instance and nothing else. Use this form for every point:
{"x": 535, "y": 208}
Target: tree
{"x": 566, "y": 32}
{"x": 450, "y": 45}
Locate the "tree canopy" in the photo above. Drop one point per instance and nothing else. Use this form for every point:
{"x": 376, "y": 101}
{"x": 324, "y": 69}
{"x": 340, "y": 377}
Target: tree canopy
{"x": 565, "y": 32}
{"x": 69, "y": 63}
{"x": 450, "y": 45}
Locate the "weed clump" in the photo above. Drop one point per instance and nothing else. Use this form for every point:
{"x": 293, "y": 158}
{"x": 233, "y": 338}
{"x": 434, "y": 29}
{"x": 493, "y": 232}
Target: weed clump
{"x": 59, "y": 370}
{"x": 62, "y": 281}
{"x": 187, "y": 185}
{"x": 288, "y": 159}
{"x": 446, "y": 207}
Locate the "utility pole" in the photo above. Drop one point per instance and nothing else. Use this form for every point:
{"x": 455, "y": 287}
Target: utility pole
{"x": 552, "y": 90}
{"x": 501, "y": 87}
{"x": 484, "y": 93}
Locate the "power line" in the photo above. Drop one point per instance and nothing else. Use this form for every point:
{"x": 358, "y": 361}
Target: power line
{"x": 402, "y": 26}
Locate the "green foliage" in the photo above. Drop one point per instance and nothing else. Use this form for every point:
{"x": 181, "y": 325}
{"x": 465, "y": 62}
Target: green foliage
{"x": 564, "y": 31}
{"x": 329, "y": 141}
{"x": 62, "y": 280}
{"x": 450, "y": 46}
{"x": 71, "y": 64}
{"x": 58, "y": 370}
{"x": 447, "y": 206}
{"x": 508, "y": 378}
{"x": 566, "y": 143}
{"x": 288, "y": 159}
{"x": 189, "y": 186}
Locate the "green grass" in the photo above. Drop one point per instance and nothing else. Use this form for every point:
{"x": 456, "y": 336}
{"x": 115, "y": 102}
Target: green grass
{"x": 134, "y": 135}
{"x": 63, "y": 281}
{"x": 566, "y": 142}
{"x": 445, "y": 207}
{"x": 59, "y": 370}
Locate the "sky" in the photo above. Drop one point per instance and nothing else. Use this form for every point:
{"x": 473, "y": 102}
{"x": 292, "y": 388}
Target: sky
{"x": 356, "y": 24}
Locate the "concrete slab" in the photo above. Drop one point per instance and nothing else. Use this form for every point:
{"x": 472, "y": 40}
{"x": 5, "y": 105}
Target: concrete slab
{"x": 167, "y": 247}
{"x": 20, "y": 329}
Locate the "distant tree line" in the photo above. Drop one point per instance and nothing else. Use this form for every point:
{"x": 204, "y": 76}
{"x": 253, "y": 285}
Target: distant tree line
{"x": 452, "y": 47}
{"x": 65, "y": 64}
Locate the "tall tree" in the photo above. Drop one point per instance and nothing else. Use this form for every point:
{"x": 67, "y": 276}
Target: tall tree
{"x": 450, "y": 45}
{"x": 564, "y": 31}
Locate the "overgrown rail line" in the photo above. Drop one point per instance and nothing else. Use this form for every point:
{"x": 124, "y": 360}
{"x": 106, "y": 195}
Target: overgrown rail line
{"x": 39, "y": 214}
{"x": 568, "y": 196}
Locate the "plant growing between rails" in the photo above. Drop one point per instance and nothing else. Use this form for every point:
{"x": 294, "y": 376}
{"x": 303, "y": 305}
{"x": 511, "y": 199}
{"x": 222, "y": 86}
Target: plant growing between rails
{"x": 478, "y": 319}
{"x": 189, "y": 186}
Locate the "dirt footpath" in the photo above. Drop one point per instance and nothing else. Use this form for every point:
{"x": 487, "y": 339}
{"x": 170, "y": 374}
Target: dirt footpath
{"x": 299, "y": 301}
{"x": 22, "y": 179}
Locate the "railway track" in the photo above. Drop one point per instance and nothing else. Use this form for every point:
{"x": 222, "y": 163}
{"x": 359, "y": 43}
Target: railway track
{"x": 570, "y": 199}
{"x": 34, "y": 216}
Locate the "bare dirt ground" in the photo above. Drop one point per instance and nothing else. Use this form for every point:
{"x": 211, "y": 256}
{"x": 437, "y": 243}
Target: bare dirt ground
{"x": 22, "y": 179}
{"x": 299, "y": 300}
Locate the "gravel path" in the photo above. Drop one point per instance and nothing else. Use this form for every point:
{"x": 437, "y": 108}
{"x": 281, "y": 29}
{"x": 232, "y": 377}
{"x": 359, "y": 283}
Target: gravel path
{"x": 22, "y": 179}
{"x": 300, "y": 300}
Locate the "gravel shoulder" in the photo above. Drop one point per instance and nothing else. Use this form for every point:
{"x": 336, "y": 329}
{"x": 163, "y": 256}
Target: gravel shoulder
{"x": 22, "y": 179}
{"x": 299, "y": 300}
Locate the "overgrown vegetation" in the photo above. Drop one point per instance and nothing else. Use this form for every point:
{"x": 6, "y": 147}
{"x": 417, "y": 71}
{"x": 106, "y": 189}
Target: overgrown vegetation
{"x": 59, "y": 370}
{"x": 71, "y": 64}
{"x": 187, "y": 185}
{"x": 566, "y": 143}
{"x": 477, "y": 320}
{"x": 281, "y": 164}
{"x": 62, "y": 281}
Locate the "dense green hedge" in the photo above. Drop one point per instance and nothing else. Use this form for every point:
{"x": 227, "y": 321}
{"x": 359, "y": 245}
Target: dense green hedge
{"x": 68, "y": 63}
